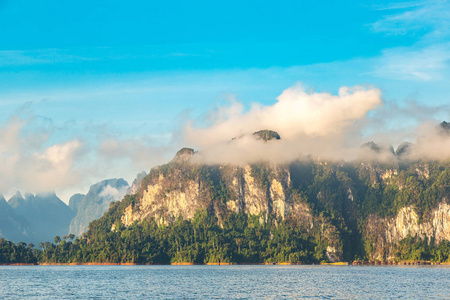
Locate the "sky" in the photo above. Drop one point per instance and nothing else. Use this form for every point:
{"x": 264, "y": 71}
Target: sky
{"x": 91, "y": 90}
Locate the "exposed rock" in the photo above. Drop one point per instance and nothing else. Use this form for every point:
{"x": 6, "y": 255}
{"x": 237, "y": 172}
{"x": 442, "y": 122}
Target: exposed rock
{"x": 184, "y": 191}
{"x": 333, "y": 254}
{"x": 180, "y": 189}
{"x": 385, "y": 233}
{"x": 423, "y": 170}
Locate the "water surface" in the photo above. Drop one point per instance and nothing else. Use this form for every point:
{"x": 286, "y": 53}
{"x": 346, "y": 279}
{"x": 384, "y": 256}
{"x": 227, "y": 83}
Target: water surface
{"x": 225, "y": 282}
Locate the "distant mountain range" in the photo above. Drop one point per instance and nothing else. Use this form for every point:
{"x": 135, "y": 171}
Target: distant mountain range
{"x": 41, "y": 217}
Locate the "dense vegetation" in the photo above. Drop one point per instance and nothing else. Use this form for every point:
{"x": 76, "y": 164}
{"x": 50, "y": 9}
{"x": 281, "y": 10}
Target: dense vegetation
{"x": 21, "y": 253}
{"x": 418, "y": 249}
{"x": 201, "y": 240}
{"x": 241, "y": 240}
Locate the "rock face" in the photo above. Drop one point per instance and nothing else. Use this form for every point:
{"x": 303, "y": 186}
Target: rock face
{"x": 180, "y": 189}
{"x": 185, "y": 189}
{"x": 385, "y": 233}
{"x": 359, "y": 208}
{"x": 95, "y": 203}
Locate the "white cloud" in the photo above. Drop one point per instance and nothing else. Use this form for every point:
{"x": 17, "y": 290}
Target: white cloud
{"x": 308, "y": 122}
{"x": 38, "y": 158}
{"x": 430, "y": 18}
{"x": 296, "y": 112}
{"x": 422, "y": 64}
{"x": 113, "y": 194}
{"x": 427, "y": 25}
{"x": 30, "y": 165}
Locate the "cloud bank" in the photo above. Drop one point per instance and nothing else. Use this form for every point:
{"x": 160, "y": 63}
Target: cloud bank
{"x": 308, "y": 122}
{"x": 325, "y": 126}
{"x": 296, "y": 113}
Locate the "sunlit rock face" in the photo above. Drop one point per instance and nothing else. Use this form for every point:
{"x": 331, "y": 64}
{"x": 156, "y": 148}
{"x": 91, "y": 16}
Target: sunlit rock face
{"x": 385, "y": 233}
{"x": 181, "y": 188}
{"x": 186, "y": 189}
{"x": 361, "y": 208}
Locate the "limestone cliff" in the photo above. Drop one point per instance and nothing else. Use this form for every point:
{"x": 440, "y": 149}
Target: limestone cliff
{"x": 385, "y": 233}
{"x": 359, "y": 209}
{"x": 181, "y": 188}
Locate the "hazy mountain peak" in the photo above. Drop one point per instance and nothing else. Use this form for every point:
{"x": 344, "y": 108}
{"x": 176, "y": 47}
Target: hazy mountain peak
{"x": 47, "y": 198}
{"x": 100, "y": 186}
{"x": 96, "y": 202}
{"x": 137, "y": 183}
{"x": 75, "y": 201}
{"x": 16, "y": 200}
{"x": 46, "y": 194}
{"x": 29, "y": 196}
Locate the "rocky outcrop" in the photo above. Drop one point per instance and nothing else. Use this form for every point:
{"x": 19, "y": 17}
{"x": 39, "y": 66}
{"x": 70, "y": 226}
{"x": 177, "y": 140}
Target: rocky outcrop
{"x": 185, "y": 189}
{"x": 384, "y": 233}
{"x": 267, "y": 135}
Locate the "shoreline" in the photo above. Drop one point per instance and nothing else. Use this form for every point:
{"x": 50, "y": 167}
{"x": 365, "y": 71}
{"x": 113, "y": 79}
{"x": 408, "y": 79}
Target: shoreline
{"x": 355, "y": 263}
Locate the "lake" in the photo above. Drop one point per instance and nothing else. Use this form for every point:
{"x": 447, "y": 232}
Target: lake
{"x": 224, "y": 282}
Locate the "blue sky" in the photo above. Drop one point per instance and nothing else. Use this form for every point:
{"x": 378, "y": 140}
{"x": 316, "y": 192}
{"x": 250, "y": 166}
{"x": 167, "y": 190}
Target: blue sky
{"x": 134, "y": 72}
